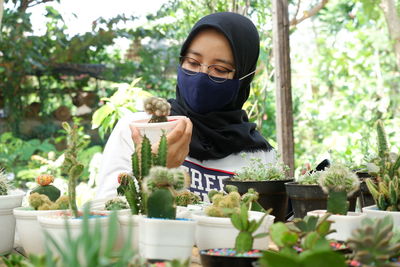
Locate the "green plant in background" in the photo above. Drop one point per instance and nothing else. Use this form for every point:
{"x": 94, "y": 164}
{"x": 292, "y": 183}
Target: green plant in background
{"x": 338, "y": 182}
{"x": 127, "y": 98}
{"x": 245, "y": 239}
{"x": 116, "y": 204}
{"x": 158, "y": 108}
{"x": 374, "y": 243}
{"x": 161, "y": 186}
{"x": 310, "y": 178}
{"x": 4, "y": 184}
{"x": 308, "y": 234}
{"x": 185, "y": 198}
{"x": 386, "y": 169}
{"x": 141, "y": 166}
{"x": 71, "y": 164}
{"x": 259, "y": 171}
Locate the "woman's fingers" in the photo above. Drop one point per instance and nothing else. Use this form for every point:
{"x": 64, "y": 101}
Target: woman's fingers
{"x": 135, "y": 133}
{"x": 176, "y": 134}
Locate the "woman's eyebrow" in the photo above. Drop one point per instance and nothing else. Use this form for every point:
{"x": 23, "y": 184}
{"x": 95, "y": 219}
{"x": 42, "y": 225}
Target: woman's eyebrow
{"x": 217, "y": 59}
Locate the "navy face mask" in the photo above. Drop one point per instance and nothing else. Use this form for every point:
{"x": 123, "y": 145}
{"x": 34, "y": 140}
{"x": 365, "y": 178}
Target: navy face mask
{"x": 203, "y": 95}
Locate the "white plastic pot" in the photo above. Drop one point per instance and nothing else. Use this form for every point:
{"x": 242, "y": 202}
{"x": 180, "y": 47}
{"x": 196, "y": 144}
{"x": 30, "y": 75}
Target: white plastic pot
{"x": 154, "y": 130}
{"x": 7, "y": 220}
{"x": 343, "y": 224}
{"x": 374, "y": 212}
{"x": 166, "y": 239}
{"x": 29, "y": 231}
{"x": 217, "y": 232}
{"x": 129, "y": 228}
{"x": 55, "y": 226}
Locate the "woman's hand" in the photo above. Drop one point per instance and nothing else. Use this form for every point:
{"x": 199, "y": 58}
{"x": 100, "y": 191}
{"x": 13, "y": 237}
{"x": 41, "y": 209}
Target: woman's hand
{"x": 178, "y": 142}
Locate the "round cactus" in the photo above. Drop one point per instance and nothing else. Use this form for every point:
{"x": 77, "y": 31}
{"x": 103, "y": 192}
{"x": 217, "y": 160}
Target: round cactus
{"x": 186, "y": 197}
{"x": 51, "y": 191}
{"x": 158, "y": 107}
{"x": 45, "y": 179}
{"x": 37, "y": 201}
{"x": 339, "y": 178}
{"x": 116, "y": 204}
{"x": 62, "y": 203}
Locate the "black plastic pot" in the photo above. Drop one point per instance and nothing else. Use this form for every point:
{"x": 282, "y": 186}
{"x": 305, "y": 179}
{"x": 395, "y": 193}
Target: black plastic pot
{"x": 272, "y": 194}
{"x": 306, "y": 198}
{"x": 226, "y": 261}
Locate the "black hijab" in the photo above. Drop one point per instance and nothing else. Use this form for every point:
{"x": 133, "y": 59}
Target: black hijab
{"x": 221, "y": 133}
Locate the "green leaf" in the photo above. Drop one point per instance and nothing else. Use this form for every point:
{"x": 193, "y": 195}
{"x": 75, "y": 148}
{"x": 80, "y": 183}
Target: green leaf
{"x": 236, "y": 221}
{"x": 100, "y": 114}
{"x": 274, "y": 259}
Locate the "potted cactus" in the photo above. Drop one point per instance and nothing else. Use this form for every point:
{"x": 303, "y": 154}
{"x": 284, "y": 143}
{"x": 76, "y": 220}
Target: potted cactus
{"x": 306, "y": 194}
{"x": 45, "y": 199}
{"x": 339, "y": 182}
{"x": 214, "y": 227}
{"x": 9, "y": 199}
{"x": 55, "y": 224}
{"x": 159, "y": 121}
{"x": 242, "y": 254}
{"x": 268, "y": 180}
{"x": 386, "y": 170}
{"x": 375, "y": 244}
{"x": 163, "y": 236}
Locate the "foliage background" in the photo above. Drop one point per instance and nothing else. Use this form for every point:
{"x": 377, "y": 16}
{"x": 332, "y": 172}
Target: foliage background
{"x": 344, "y": 76}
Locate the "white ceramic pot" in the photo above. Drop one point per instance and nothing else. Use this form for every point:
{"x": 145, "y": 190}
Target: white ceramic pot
{"x": 154, "y": 130}
{"x": 343, "y": 224}
{"x": 129, "y": 228}
{"x": 217, "y": 232}
{"x": 28, "y": 229}
{"x": 374, "y": 212}
{"x": 166, "y": 239}
{"x": 55, "y": 226}
{"x": 7, "y": 220}
{"x": 120, "y": 239}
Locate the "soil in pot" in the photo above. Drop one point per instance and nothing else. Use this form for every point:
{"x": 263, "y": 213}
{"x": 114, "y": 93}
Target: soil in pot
{"x": 272, "y": 194}
{"x": 306, "y": 198}
{"x": 226, "y": 257}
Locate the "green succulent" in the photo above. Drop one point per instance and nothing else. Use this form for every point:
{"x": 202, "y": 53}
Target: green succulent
{"x": 374, "y": 243}
{"x": 259, "y": 171}
{"x": 116, "y": 204}
{"x": 385, "y": 189}
{"x": 338, "y": 182}
{"x": 4, "y": 185}
{"x": 310, "y": 178}
{"x": 186, "y": 198}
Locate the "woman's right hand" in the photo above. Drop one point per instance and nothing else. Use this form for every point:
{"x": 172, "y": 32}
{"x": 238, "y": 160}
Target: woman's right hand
{"x": 178, "y": 141}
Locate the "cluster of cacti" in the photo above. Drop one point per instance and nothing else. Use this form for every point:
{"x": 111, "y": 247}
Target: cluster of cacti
{"x": 116, "y": 204}
{"x": 259, "y": 171}
{"x": 310, "y": 178}
{"x": 162, "y": 184}
{"x": 185, "y": 198}
{"x": 142, "y": 161}
{"x": 45, "y": 188}
{"x": 42, "y": 202}
{"x": 245, "y": 239}
{"x": 4, "y": 186}
{"x": 223, "y": 205}
{"x": 386, "y": 168}
{"x": 158, "y": 107}
{"x": 71, "y": 165}
{"x": 374, "y": 243}
{"x": 338, "y": 182}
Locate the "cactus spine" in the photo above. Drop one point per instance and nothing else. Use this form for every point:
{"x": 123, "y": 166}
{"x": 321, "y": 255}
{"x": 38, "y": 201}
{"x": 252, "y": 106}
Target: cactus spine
{"x": 338, "y": 182}
{"x": 158, "y": 107}
{"x": 386, "y": 190}
{"x": 71, "y": 165}
{"x": 161, "y": 184}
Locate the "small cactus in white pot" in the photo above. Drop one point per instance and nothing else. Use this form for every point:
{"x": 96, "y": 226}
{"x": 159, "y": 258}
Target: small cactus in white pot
{"x": 338, "y": 182}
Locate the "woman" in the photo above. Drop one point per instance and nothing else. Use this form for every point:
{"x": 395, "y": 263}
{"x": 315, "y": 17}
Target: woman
{"x": 217, "y": 64}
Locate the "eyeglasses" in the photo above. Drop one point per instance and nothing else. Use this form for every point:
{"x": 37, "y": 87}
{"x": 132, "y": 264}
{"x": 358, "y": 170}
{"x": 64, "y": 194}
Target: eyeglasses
{"x": 216, "y": 73}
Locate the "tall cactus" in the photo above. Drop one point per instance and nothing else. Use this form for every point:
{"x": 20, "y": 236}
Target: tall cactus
{"x": 386, "y": 168}
{"x": 71, "y": 165}
{"x": 142, "y": 161}
{"x": 339, "y": 182}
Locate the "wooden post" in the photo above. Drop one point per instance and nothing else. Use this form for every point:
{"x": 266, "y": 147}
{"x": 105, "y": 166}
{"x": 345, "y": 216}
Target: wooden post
{"x": 284, "y": 109}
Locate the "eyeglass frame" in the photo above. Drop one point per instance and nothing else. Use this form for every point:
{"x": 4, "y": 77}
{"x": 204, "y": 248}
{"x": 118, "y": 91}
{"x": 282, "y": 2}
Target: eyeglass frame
{"x": 208, "y": 70}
